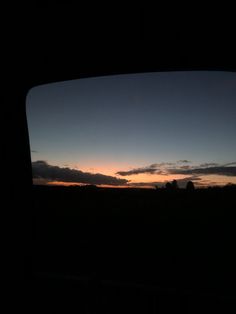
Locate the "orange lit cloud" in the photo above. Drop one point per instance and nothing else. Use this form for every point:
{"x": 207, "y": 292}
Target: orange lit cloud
{"x": 62, "y": 183}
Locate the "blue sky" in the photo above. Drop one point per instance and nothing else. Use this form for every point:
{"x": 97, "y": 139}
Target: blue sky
{"x": 118, "y": 123}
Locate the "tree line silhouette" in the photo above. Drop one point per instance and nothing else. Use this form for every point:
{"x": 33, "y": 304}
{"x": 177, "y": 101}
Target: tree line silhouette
{"x": 174, "y": 185}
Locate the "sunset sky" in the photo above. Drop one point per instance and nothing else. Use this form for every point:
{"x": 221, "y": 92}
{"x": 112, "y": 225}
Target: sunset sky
{"x": 135, "y": 130}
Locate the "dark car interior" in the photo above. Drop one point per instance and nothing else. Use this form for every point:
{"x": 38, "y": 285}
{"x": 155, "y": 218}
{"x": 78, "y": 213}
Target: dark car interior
{"x": 87, "y": 266}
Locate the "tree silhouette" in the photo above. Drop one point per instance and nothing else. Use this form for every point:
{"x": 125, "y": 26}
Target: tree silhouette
{"x": 168, "y": 186}
{"x": 174, "y": 185}
{"x": 190, "y": 186}
{"x": 230, "y": 186}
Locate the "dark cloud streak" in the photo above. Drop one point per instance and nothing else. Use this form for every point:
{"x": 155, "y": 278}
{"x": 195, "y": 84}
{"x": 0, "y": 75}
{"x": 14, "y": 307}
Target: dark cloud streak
{"x": 150, "y": 170}
{"x": 220, "y": 170}
{"x": 209, "y": 164}
{"x": 231, "y": 163}
{"x": 42, "y": 170}
{"x": 202, "y": 169}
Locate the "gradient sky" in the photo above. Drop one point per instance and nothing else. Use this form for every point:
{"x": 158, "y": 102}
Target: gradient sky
{"x": 119, "y": 126}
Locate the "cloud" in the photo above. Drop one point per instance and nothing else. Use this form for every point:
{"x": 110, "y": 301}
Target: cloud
{"x": 146, "y": 184}
{"x": 219, "y": 170}
{"x": 34, "y": 151}
{"x": 158, "y": 168}
{"x": 42, "y": 170}
{"x": 185, "y": 167}
{"x": 209, "y": 164}
{"x": 161, "y": 164}
{"x": 165, "y": 168}
{"x": 149, "y": 169}
{"x": 231, "y": 163}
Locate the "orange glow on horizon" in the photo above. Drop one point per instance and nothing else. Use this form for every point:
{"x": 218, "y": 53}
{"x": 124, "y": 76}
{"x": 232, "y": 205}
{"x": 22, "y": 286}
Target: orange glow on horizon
{"x": 105, "y": 168}
{"x": 218, "y": 180}
{"x": 149, "y": 178}
{"x": 62, "y": 183}
{"x": 135, "y": 181}
{"x": 112, "y": 169}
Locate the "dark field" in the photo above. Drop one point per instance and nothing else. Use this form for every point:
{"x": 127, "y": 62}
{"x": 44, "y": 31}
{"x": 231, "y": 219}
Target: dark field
{"x": 171, "y": 239}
